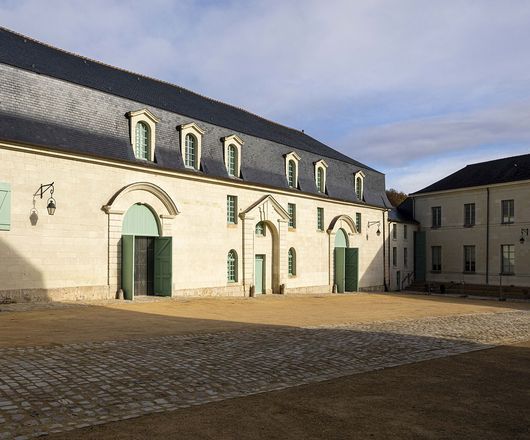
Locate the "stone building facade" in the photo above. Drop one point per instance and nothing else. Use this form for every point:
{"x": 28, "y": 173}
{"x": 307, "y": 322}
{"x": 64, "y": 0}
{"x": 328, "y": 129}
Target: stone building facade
{"x": 158, "y": 190}
{"x": 474, "y": 225}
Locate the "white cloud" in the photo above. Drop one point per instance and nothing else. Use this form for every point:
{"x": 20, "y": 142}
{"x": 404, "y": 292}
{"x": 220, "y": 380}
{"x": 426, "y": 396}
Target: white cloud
{"x": 396, "y": 144}
{"x": 460, "y": 70}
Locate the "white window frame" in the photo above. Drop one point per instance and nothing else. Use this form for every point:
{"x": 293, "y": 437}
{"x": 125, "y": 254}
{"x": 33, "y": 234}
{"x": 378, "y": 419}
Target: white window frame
{"x": 359, "y": 175}
{"x": 148, "y": 118}
{"x": 321, "y": 164}
{"x": 296, "y": 159}
{"x": 196, "y": 131}
{"x": 237, "y": 142}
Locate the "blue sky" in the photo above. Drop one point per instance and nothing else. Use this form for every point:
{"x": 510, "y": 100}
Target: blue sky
{"x": 414, "y": 89}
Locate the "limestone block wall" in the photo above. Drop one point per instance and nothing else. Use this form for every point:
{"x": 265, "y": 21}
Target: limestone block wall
{"x": 79, "y": 247}
{"x": 452, "y": 235}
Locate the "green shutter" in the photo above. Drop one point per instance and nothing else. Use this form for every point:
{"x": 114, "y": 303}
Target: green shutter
{"x": 127, "y": 266}
{"x": 351, "y": 270}
{"x": 163, "y": 266}
{"x": 5, "y": 206}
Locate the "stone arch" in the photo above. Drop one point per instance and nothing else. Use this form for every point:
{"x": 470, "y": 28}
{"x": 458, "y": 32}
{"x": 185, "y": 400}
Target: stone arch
{"x": 342, "y": 222}
{"x": 145, "y": 193}
{"x": 121, "y": 200}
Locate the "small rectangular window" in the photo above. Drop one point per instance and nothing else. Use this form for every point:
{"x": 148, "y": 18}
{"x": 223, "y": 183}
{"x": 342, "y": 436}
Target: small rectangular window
{"x": 436, "y": 257}
{"x": 405, "y": 257}
{"x": 320, "y": 219}
{"x": 405, "y": 232}
{"x": 508, "y": 211}
{"x": 436, "y": 212}
{"x": 469, "y": 214}
{"x": 469, "y": 259}
{"x": 507, "y": 259}
{"x": 394, "y": 231}
{"x": 394, "y": 256}
{"x": 291, "y": 209}
{"x": 231, "y": 209}
{"x": 358, "y": 222}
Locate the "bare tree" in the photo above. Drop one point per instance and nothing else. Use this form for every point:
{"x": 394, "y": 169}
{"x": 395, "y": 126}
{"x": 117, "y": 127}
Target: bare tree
{"x": 396, "y": 197}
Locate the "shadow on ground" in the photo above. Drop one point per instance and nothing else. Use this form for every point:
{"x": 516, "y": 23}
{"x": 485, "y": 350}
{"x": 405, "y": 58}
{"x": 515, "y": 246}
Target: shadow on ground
{"x": 479, "y": 395}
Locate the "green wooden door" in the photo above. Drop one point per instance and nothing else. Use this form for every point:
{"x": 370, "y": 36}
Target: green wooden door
{"x": 127, "y": 266}
{"x": 259, "y": 282}
{"x": 420, "y": 263}
{"x": 163, "y": 266}
{"x": 340, "y": 264}
{"x": 351, "y": 270}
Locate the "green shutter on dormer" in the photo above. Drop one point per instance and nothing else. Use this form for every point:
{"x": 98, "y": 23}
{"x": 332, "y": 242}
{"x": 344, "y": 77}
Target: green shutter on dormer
{"x": 5, "y": 206}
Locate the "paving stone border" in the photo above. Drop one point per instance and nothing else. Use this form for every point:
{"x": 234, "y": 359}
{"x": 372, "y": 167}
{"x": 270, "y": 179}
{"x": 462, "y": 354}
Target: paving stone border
{"x": 54, "y": 389}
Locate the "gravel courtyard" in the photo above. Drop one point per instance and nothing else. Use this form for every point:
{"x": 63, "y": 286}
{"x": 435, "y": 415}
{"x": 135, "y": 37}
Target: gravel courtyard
{"x": 59, "y": 385}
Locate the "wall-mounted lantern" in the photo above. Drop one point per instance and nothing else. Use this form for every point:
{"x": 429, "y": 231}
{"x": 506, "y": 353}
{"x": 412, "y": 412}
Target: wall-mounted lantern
{"x": 378, "y": 223}
{"x": 52, "y": 204}
{"x": 524, "y": 233}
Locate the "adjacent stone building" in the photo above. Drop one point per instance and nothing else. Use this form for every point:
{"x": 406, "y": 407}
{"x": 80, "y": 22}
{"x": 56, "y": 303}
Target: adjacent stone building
{"x": 158, "y": 190}
{"x": 474, "y": 225}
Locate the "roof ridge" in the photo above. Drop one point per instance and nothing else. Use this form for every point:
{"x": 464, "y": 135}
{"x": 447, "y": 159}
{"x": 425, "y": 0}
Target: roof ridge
{"x": 25, "y": 37}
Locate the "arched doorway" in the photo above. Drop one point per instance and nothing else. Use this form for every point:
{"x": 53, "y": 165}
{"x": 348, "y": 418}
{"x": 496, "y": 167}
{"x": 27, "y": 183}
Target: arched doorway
{"x": 346, "y": 262}
{"x": 266, "y": 258}
{"x": 127, "y": 219}
{"x": 146, "y": 257}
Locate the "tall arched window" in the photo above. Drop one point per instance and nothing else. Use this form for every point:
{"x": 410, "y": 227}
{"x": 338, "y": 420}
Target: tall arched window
{"x": 142, "y": 141}
{"x": 291, "y": 174}
{"x": 231, "y": 269}
{"x": 291, "y": 262}
{"x": 232, "y": 160}
{"x": 320, "y": 180}
{"x": 190, "y": 151}
{"x": 359, "y": 188}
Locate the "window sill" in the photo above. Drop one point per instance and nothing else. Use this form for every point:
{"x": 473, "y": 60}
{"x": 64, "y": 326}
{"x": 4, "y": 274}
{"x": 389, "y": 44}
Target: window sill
{"x": 507, "y": 223}
{"x": 469, "y": 226}
{"x": 291, "y": 229}
{"x": 231, "y": 225}
{"x": 292, "y": 276}
{"x": 469, "y": 272}
{"x": 436, "y": 271}
{"x": 435, "y": 227}
{"x": 320, "y": 230}
{"x": 507, "y": 274}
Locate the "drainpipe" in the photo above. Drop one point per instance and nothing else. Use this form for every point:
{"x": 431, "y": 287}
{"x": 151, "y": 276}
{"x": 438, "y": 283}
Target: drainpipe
{"x": 384, "y": 252}
{"x": 487, "y": 235}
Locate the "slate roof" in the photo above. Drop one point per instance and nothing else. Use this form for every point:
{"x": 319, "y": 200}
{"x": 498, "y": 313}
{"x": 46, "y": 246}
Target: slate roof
{"x": 57, "y": 126}
{"x": 508, "y": 169}
{"x": 402, "y": 213}
{"x": 26, "y": 53}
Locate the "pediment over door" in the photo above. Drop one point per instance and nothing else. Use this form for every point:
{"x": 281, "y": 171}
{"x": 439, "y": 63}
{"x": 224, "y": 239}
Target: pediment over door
{"x": 266, "y": 208}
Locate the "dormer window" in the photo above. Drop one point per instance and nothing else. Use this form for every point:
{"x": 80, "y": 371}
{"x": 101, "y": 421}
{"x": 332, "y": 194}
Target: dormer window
{"x": 320, "y": 176}
{"x": 142, "y": 130}
{"x": 358, "y": 179}
{"x": 190, "y": 145}
{"x": 291, "y": 169}
{"x": 232, "y": 150}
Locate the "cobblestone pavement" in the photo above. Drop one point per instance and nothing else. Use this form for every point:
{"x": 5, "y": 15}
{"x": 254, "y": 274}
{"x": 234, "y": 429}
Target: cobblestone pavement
{"x": 53, "y": 389}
